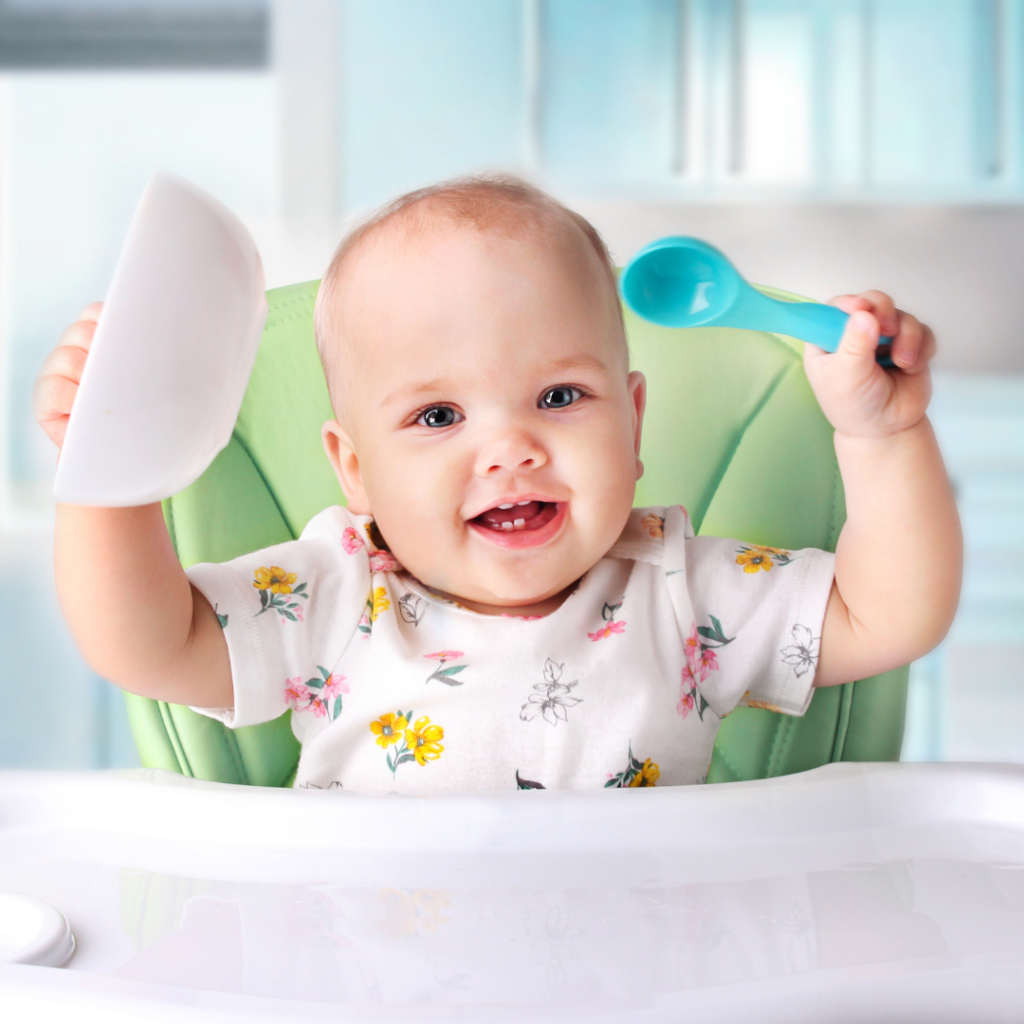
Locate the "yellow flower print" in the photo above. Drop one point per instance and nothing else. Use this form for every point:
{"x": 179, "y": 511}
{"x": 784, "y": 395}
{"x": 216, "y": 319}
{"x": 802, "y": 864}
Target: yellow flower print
{"x": 278, "y": 595}
{"x": 376, "y": 603}
{"x": 636, "y": 773}
{"x": 388, "y": 729}
{"x": 423, "y": 740}
{"x": 647, "y": 775}
{"x": 414, "y": 911}
{"x": 421, "y": 743}
{"x": 274, "y": 579}
{"x": 379, "y": 603}
{"x": 752, "y": 560}
{"x": 754, "y": 557}
{"x": 654, "y": 525}
{"x": 764, "y": 706}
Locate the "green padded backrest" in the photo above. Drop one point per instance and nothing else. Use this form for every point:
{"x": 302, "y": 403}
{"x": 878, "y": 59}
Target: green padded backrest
{"x": 733, "y": 432}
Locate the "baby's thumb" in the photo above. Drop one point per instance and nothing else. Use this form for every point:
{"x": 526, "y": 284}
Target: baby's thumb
{"x": 860, "y": 339}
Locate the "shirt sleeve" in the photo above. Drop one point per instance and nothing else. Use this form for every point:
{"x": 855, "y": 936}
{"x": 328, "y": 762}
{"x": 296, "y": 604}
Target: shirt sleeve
{"x": 288, "y": 612}
{"x": 757, "y": 615}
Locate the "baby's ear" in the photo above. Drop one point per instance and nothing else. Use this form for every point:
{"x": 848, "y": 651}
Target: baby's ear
{"x": 343, "y": 459}
{"x": 636, "y": 384}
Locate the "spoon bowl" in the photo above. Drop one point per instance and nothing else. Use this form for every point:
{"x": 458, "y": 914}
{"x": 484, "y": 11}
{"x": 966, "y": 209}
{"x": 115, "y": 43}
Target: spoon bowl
{"x": 681, "y": 282}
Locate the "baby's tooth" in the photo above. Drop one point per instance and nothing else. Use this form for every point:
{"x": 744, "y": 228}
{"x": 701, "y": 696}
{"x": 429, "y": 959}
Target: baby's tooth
{"x": 518, "y": 522}
{"x": 521, "y": 503}
{"x": 506, "y": 526}
{"x": 509, "y": 505}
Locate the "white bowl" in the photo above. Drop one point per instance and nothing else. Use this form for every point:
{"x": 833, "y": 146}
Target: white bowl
{"x": 171, "y": 357}
{"x": 33, "y": 932}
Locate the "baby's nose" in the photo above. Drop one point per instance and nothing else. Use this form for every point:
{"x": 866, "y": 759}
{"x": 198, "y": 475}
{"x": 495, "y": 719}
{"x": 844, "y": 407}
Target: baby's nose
{"x": 511, "y": 449}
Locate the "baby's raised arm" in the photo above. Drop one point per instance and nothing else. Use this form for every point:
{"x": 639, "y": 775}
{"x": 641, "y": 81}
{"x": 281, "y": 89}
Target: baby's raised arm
{"x": 131, "y": 609}
{"x": 900, "y": 554}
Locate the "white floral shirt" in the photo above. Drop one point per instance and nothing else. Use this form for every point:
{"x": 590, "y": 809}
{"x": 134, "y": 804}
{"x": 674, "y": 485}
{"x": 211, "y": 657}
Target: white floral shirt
{"x": 394, "y": 689}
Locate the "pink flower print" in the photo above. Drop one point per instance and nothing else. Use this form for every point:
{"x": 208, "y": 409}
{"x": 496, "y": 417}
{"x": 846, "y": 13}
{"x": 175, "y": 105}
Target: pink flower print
{"x": 446, "y": 674}
{"x": 333, "y": 686}
{"x": 351, "y": 541}
{"x": 607, "y": 630}
{"x": 321, "y": 694}
{"x": 685, "y": 705}
{"x": 687, "y": 692}
{"x": 383, "y": 561}
{"x": 295, "y": 691}
{"x": 364, "y": 625}
{"x": 690, "y": 698}
{"x": 691, "y": 647}
{"x": 708, "y": 663}
{"x": 296, "y": 609}
{"x": 701, "y": 661}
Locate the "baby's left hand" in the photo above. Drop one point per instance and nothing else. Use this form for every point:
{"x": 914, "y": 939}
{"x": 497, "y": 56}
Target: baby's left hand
{"x": 859, "y": 397}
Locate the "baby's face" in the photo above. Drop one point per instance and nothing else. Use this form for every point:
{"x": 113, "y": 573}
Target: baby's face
{"x": 491, "y": 427}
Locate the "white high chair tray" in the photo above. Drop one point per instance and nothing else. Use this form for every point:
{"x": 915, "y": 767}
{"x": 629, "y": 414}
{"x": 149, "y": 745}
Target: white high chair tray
{"x": 851, "y": 893}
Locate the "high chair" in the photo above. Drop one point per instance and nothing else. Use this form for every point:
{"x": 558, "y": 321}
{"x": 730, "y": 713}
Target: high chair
{"x": 851, "y": 893}
{"x": 732, "y": 432}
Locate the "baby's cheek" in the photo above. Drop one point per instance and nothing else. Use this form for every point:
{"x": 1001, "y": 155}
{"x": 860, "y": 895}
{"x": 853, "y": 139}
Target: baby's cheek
{"x": 605, "y": 467}
{"x": 418, "y": 524}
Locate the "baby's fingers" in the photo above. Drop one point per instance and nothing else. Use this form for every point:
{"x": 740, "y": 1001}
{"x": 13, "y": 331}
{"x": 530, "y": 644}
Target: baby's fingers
{"x": 875, "y": 302}
{"x": 82, "y": 331}
{"x": 913, "y": 344}
{"x": 55, "y": 388}
{"x": 91, "y": 312}
{"x": 53, "y": 393}
{"x": 65, "y": 361}
{"x": 52, "y": 399}
{"x": 860, "y": 339}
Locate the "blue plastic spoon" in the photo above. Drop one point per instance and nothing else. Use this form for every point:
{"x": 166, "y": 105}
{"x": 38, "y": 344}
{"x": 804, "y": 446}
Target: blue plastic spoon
{"x": 684, "y": 282}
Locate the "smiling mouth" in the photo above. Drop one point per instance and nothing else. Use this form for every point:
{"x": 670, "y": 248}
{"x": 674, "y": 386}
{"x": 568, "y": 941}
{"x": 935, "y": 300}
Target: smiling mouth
{"x": 518, "y": 517}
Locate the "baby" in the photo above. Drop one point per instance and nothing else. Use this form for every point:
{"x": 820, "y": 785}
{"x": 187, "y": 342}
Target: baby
{"x": 489, "y": 611}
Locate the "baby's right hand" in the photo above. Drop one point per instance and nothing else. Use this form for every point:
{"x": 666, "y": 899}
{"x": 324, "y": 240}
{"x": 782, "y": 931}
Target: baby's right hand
{"x": 57, "y": 384}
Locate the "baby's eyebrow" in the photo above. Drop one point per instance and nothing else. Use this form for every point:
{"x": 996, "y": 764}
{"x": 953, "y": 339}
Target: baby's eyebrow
{"x": 582, "y": 361}
{"x": 438, "y": 386}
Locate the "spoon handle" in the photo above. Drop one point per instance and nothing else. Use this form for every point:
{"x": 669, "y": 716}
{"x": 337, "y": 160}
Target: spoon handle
{"x": 819, "y": 324}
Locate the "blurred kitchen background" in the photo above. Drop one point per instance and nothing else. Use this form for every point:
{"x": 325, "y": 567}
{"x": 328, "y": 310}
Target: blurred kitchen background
{"x": 826, "y": 145}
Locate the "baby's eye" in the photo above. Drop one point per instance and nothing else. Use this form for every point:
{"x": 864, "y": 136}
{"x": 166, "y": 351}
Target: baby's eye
{"x": 438, "y": 416}
{"x": 561, "y": 397}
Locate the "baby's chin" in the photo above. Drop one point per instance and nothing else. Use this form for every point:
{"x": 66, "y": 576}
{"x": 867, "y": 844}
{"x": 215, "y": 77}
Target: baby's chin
{"x": 529, "y": 606}
{"x": 514, "y": 597}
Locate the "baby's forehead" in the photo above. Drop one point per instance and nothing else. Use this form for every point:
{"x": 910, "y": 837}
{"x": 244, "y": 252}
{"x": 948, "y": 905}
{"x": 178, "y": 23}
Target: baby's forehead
{"x": 417, "y": 245}
{"x": 412, "y": 274}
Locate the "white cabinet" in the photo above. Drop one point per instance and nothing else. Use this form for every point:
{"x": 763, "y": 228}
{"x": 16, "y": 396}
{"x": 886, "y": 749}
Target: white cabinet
{"x": 835, "y": 98}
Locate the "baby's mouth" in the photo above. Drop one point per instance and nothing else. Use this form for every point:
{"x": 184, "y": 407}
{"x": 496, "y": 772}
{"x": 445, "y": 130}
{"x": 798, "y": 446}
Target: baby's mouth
{"x": 523, "y": 515}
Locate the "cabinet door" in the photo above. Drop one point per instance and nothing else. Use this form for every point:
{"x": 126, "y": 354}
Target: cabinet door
{"x": 608, "y": 82}
{"x": 431, "y": 90}
{"x": 926, "y": 88}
